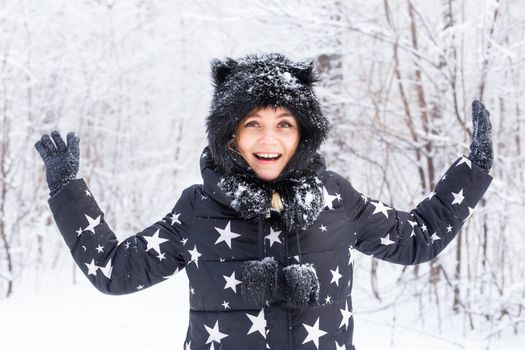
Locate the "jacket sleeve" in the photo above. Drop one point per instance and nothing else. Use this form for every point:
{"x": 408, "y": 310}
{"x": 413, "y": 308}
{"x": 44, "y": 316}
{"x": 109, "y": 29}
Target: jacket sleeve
{"x": 113, "y": 267}
{"x": 422, "y": 233}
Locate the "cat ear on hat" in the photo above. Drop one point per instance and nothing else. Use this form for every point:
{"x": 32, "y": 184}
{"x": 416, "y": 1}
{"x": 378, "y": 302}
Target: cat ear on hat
{"x": 221, "y": 69}
{"x": 305, "y": 73}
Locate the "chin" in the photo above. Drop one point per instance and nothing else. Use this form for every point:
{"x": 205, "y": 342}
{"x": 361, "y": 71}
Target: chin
{"x": 267, "y": 177}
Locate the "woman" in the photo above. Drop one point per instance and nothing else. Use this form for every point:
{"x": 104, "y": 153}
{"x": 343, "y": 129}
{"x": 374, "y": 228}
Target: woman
{"x": 267, "y": 239}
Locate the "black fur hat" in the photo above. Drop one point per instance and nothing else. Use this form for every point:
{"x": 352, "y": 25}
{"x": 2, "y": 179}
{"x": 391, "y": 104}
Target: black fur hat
{"x": 258, "y": 81}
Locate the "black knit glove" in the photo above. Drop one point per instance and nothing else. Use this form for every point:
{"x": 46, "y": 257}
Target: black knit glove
{"x": 481, "y": 146}
{"x": 61, "y": 161}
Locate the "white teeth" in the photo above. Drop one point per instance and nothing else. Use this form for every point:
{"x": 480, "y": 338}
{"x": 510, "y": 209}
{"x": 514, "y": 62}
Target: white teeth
{"x": 268, "y": 155}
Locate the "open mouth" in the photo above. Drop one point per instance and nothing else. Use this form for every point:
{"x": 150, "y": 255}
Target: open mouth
{"x": 267, "y": 156}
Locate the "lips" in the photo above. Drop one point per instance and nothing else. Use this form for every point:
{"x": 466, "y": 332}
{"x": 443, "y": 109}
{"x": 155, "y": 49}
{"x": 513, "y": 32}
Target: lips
{"x": 267, "y": 157}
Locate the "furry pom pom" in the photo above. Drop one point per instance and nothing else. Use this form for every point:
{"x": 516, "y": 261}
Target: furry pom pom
{"x": 302, "y": 285}
{"x": 259, "y": 280}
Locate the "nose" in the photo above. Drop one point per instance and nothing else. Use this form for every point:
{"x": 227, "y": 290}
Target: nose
{"x": 268, "y": 136}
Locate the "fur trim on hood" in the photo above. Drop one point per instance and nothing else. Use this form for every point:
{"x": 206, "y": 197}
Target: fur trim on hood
{"x": 250, "y": 197}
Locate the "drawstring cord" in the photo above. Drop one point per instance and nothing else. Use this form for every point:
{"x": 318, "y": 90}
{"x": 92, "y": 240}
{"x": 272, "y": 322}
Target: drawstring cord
{"x": 299, "y": 256}
{"x": 262, "y": 278}
{"x": 259, "y": 277}
{"x": 260, "y": 242}
{"x": 302, "y": 282}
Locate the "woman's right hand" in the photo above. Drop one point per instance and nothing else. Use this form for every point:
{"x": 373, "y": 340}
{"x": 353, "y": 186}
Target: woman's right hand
{"x": 61, "y": 160}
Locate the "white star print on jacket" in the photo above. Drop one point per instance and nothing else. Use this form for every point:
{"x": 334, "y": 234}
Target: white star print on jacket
{"x": 204, "y": 236}
{"x": 226, "y": 235}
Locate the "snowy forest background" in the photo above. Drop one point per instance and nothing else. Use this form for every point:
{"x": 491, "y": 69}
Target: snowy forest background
{"x": 132, "y": 79}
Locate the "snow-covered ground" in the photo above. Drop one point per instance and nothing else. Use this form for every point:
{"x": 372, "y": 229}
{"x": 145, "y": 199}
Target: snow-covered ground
{"x": 60, "y": 315}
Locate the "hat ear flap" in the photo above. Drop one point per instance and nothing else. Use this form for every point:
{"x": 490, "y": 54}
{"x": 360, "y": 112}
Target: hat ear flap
{"x": 305, "y": 73}
{"x": 221, "y": 69}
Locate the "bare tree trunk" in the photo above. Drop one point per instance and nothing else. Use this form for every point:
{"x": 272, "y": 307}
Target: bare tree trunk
{"x": 457, "y": 276}
{"x": 4, "y": 154}
{"x": 330, "y": 68}
{"x": 404, "y": 99}
{"x": 425, "y": 122}
{"x": 177, "y": 124}
{"x": 406, "y": 106}
{"x": 450, "y": 54}
{"x": 373, "y": 279}
{"x": 485, "y": 65}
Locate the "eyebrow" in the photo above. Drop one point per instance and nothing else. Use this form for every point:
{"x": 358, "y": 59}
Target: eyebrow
{"x": 282, "y": 115}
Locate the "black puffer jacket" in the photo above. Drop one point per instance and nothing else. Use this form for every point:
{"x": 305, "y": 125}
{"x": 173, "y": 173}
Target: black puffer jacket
{"x": 211, "y": 241}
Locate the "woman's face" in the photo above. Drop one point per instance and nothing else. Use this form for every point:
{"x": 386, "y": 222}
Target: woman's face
{"x": 267, "y": 138}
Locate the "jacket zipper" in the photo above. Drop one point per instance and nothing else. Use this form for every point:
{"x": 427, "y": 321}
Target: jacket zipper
{"x": 260, "y": 239}
{"x": 288, "y": 311}
{"x": 261, "y": 252}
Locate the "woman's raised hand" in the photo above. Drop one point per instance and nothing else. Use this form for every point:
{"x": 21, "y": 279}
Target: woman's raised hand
{"x": 481, "y": 147}
{"x": 61, "y": 160}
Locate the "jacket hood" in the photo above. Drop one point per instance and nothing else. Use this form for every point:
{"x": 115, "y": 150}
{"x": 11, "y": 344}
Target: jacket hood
{"x": 259, "y": 81}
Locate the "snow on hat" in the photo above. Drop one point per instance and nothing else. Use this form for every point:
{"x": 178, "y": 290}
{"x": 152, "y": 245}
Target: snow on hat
{"x": 259, "y": 81}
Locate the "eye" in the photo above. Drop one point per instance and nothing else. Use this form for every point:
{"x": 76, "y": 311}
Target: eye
{"x": 251, "y": 123}
{"x": 285, "y": 124}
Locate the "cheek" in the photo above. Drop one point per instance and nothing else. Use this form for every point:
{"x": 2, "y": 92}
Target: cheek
{"x": 292, "y": 143}
{"x": 243, "y": 144}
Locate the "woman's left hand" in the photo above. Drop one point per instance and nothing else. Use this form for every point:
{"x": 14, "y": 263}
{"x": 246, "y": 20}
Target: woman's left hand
{"x": 481, "y": 147}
